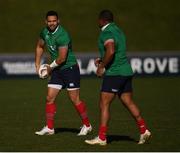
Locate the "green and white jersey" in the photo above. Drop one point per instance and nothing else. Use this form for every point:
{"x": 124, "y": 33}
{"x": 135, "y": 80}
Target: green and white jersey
{"x": 119, "y": 64}
{"x": 55, "y": 40}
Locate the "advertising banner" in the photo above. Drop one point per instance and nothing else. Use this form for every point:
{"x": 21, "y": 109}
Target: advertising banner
{"x": 143, "y": 64}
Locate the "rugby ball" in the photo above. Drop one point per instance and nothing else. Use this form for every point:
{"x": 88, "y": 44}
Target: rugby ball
{"x": 43, "y": 73}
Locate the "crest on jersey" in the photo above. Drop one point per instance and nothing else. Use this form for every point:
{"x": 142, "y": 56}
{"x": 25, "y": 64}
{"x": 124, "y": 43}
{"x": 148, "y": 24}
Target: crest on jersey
{"x": 47, "y": 37}
{"x": 52, "y": 47}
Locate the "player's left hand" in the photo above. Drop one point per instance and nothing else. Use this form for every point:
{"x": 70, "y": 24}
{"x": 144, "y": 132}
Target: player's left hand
{"x": 49, "y": 70}
{"x": 100, "y": 70}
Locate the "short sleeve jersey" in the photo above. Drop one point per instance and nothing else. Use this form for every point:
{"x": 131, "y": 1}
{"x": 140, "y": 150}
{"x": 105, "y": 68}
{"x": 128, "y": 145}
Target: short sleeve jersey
{"x": 119, "y": 64}
{"x": 55, "y": 40}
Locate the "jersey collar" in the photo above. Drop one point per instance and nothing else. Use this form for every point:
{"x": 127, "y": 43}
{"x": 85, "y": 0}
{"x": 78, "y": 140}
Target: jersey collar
{"x": 104, "y": 27}
{"x": 54, "y": 31}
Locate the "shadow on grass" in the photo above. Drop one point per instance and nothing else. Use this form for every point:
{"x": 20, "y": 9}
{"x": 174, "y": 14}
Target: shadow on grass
{"x": 112, "y": 138}
{"x": 71, "y": 130}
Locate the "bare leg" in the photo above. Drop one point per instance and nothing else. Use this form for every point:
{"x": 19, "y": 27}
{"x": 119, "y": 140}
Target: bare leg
{"x": 51, "y": 95}
{"x": 74, "y": 96}
{"x": 128, "y": 102}
{"x": 105, "y": 101}
{"x": 51, "y": 107}
{"x": 50, "y": 112}
{"x": 81, "y": 109}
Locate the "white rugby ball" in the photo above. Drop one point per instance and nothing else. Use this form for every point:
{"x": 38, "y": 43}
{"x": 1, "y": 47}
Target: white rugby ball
{"x": 43, "y": 73}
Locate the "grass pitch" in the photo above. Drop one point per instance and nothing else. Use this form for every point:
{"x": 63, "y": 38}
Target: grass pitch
{"x": 22, "y": 106}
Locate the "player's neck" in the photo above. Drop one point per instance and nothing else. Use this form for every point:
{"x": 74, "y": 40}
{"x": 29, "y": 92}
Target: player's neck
{"x": 53, "y": 31}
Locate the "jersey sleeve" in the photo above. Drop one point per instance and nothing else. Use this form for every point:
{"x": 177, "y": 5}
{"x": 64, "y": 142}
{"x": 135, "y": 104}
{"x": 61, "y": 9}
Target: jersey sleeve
{"x": 63, "y": 40}
{"x": 108, "y": 36}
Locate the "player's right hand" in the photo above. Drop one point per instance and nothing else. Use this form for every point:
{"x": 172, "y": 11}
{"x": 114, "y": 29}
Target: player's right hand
{"x": 44, "y": 71}
{"x": 97, "y": 61}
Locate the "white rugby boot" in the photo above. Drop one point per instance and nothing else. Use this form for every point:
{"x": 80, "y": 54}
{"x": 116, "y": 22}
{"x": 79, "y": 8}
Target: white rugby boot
{"x": 144, "y": 137}
{"x": 97, "y": 141}
{"x": 45, "y": 131}
{"x": 85, "y": 130}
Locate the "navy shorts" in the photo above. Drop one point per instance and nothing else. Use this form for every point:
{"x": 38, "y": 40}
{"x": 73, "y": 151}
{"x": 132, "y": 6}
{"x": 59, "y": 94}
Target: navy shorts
{"x": 117, "y": 84}
{"x": 67, "y": 78}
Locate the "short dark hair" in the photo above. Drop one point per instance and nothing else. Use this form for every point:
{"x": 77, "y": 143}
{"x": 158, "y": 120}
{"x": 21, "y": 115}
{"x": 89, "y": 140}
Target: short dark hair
{"x": 51, "y": 13}
{"x": 106, "y": 15}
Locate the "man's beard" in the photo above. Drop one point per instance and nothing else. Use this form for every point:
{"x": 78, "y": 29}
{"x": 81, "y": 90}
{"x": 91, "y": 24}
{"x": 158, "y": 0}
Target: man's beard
{"x": 52, "y": 30}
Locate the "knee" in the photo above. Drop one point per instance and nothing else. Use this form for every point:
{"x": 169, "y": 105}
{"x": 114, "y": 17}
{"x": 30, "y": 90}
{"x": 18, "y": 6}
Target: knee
{"x": 104, "y": 105}
{"x": 126, "y": 99}
{"x": 74, "y": 98}
{"x": 50, "y": 98}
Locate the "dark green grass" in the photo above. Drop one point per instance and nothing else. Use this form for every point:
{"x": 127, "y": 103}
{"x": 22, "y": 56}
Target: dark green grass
{"x": 22, "y": 113}
{"x": 149, "y": 25}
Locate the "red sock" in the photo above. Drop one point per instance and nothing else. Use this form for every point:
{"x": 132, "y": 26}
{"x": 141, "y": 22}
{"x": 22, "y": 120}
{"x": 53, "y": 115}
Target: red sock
{"x": 142, "y": 126}
{"x": 50, "y": 112}
{"x": 81, "y": 108}
{"x": 102, "y": 132}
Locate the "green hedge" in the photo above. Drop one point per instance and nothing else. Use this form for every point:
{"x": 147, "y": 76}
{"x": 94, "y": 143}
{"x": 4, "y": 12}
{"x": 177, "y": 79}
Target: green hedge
{"x": 148, "y": 24}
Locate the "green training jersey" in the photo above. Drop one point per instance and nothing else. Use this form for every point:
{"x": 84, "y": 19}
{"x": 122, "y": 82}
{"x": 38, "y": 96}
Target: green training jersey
{"x": 119, "y": 64}
{"x": 55, "y": 40}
